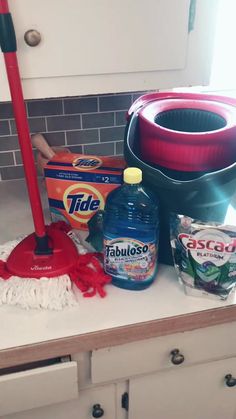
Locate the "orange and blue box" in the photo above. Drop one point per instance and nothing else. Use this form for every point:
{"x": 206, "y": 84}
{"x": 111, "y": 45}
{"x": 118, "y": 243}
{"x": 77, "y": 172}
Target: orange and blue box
{"x": 77, "y": 185}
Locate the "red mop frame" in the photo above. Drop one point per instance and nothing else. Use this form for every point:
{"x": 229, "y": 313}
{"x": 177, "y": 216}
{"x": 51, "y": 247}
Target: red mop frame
{"x": 47, "y": 252}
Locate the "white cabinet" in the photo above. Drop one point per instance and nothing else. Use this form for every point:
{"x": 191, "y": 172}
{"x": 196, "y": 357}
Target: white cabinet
{"x": 159, "y": 388}
{"x": 157, "y": 384}
{"x": 82, "y": 408}
{"x": 198, "y": 392}
{"x": 150, "y": 355}
{"x": 107, "y": 46}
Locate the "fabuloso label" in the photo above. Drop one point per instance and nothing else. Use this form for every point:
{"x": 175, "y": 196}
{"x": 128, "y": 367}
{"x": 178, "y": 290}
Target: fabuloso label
{"x": 130, "y": 259}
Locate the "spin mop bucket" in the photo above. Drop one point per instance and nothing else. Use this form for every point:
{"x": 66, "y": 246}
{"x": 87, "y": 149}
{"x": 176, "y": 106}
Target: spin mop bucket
{"x": 185, "y": 144}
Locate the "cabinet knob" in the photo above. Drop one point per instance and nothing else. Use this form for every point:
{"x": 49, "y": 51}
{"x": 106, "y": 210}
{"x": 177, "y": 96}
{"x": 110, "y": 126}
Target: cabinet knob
{"x": 230, "y": 381}
{"x": 32, "y": 37}
{"x": 176, "y": 357}
{"x": 98, "y": 412}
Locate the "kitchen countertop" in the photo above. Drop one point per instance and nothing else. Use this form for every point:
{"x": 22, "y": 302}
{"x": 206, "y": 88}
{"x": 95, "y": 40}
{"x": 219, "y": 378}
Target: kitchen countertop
{"x": 123, "y": 316}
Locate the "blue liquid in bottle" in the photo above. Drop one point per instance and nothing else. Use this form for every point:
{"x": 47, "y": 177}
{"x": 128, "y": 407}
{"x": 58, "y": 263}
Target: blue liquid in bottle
{"x": 131, "y": 233}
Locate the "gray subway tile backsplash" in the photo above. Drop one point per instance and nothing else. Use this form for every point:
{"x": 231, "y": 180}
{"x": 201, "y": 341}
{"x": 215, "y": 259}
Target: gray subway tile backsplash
{"x": 81, "y": 105}
{"x": 82, "y": 136}
{"x": 18, "y": 158}
{"x": 95, "y": 120}
{"x": 119, "y": 148}
{"x": 105, "y": 149}
{"x": 88, "y": 124}
{"x": 9, "y": 143}
{"x": 6, "y": 159}
{"x": 120, "y": 117}
{"x": 4, "y": 128}
{"x": 6, "y": 110}
{"x": 112, "y": 134}
{"x": 55, "y": 139}
{"x": 115, "y": 102}
{"x": 35, "y": 125}
{"x": 12, "y": 172}
{"x": 76, "y": 149}
{"x": 63, "y": 122}
{"x": 45, "y": 107}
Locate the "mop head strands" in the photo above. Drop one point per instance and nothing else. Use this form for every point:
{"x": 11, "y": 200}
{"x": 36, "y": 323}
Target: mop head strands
{"x": 58, "y": 292}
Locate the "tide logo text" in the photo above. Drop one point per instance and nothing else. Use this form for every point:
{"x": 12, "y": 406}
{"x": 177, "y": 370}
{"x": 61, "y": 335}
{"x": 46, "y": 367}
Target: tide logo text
{"x": 86, "y": 164}
{"x": 82, "y": 202}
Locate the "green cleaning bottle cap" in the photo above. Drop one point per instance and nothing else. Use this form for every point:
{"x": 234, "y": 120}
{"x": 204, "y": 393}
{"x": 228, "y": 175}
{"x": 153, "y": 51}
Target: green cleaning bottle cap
{"x": 132, "y": 175}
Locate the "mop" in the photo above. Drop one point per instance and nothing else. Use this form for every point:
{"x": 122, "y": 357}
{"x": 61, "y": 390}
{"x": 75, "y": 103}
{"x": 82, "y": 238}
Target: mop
{"x": 38, "y": 270}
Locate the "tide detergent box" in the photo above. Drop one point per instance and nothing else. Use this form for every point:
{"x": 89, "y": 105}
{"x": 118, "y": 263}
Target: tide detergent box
{"x": 77, "y": 185}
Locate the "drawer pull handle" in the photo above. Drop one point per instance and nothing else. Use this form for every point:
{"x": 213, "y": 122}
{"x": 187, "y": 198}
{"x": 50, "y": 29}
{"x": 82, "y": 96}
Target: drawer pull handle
{"x": 32, "y": 37}
{"x": 230, "y": 381}
{"x": 98, "y": 412}
{"x": 176, "y": 357}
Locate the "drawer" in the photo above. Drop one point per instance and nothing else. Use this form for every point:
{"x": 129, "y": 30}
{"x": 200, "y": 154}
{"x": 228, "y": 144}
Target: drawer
{"x": 196, "y": 392}
{"x": 142, "y": 357}
{"x": 81, "y": 408}
{"x": 36, "y": 387}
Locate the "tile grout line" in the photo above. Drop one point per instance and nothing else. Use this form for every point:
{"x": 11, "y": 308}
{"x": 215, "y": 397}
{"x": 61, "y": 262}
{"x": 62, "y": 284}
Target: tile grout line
{"x": 71, "y": 145}
{"x": 10, "y": 127}
{"x": 46, "y": 124}
{"x": 14, "y": 158}
{"x": 114, "y": 111}
{"x": 79, "y": 113}
{"x": 103, "y": 142}
{"x": 69, "y": 130}
{"x": 65, "y": 137}
{"x": 27, "y": 109}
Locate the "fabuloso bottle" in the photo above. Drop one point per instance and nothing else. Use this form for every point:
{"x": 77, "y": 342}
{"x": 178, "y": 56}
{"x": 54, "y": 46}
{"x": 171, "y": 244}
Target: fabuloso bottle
{"x": 131, "y": 233}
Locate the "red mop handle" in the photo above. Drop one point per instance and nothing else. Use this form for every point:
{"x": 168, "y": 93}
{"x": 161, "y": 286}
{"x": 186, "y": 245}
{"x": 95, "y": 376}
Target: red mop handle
{"x": 8, "y": 46}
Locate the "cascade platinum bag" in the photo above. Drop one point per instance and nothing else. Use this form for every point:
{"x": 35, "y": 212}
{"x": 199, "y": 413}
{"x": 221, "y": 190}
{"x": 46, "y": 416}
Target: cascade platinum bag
{"x": 205, "y": 254}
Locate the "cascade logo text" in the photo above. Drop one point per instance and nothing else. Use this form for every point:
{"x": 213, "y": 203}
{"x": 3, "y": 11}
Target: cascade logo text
{"x": 191, "y": 243}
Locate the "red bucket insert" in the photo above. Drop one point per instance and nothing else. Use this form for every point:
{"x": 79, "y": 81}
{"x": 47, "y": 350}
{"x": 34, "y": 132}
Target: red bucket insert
{"x": 188, "y": 135}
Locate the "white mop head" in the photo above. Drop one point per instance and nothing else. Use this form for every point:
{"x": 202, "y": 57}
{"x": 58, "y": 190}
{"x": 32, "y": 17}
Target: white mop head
{"x": 46, "y": 293}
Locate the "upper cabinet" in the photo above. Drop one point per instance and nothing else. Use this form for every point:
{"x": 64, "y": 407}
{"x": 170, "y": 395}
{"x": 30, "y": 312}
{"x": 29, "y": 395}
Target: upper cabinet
{"x": 103, "y": 46}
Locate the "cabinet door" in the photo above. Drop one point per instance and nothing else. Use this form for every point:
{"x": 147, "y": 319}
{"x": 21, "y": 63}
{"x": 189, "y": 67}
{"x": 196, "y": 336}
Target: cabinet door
{"x": 106, "y": 46}
{"x": 198, "y": 392}
{"x": 104, "y": 36}
{"x": 82, "y": 408}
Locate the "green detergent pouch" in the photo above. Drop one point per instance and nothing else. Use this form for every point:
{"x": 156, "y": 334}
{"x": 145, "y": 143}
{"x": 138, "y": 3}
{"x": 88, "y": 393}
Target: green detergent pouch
{"x": 205, "y": 254}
